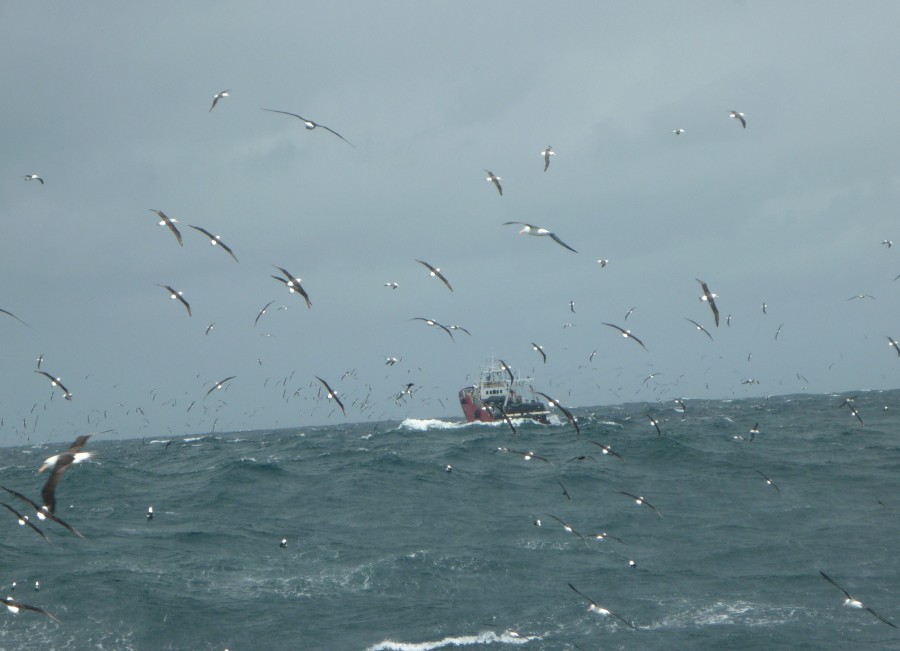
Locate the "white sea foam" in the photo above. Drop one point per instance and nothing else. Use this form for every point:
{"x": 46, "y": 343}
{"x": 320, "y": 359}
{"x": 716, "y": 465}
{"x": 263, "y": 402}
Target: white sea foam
{"x": 489, "y": 637}
{"x": 425, "y": 424}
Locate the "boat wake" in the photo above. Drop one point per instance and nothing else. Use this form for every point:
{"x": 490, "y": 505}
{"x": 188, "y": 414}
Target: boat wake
{"x": 426, "y": 424}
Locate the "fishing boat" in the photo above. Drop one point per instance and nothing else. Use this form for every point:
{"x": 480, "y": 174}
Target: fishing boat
{"x": 498, "y": 391}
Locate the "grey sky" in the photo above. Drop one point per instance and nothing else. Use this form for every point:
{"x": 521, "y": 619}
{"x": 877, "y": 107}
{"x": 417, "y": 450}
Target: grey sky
{"x": 109, "y": 102}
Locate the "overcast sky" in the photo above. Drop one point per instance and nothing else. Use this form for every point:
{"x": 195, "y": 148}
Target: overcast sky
{"x": 109, "y": 103}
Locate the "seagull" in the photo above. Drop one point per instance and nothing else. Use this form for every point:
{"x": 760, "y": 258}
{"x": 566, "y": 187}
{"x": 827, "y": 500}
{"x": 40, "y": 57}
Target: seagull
{"x": 217, "y": 97}
{"x": 8, "y": 313}
{"x": 538, "y": 231}
{"x": 547, "y": 153}
{"x": 15, "y": 606}
{"x": 886, "y": 243}
{"x": 332, "y": 394}
{"x": 310, "y": 125}
{"x": 569, "y": 417}
{"x": 261, "y": 312}
{"x": 56, "y": 382}
{"x": 603, "y": 262}
{"x": 769, "y": 481}
{"x": 737, "y": 115}
{"x": 166, "y": 221}
{"x": 293, "y": 284}
{"x": 600, "y": 610}
{"x": 852, "y": 602}
{"x": 173, "y": 294}
{"x": 539, "y": 349}
{"x": 569, "y": 528}
{"x": 640, "y": 501}
{"x": 432, "y": 322}
{"x": 215, "y": 240}
{"x": 435, "y": 272}
{"x": 23, "y": 520}
{"x": 709, "y": 297}
{"x": 42, "y": 512}
{"x": 700, "y": 328}
{"x": 34, "y": 177}
{"x": 495, "y": 180}
{"x": 392, "y": 285}
{"x": 58, "y": 464}
{"x": 678, "y": 132}
{"x": 895, "y": 345}
{"x": 627, "y": 334}
{"x": 219, "y": 385}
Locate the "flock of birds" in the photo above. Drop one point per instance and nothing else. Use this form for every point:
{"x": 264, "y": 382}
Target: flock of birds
{"x": 58, "y": 464}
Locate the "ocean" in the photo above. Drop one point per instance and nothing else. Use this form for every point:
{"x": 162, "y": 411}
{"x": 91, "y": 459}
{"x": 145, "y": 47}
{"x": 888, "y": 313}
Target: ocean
{"x": 424, "y": 534}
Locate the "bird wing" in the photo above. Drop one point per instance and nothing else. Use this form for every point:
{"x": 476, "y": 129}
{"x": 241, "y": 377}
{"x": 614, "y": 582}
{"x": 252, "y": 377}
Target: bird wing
{"x": 43, "y": 511}
{"x": 835, "y": 584}
{"x": 337, "y": 134}
{"x": 8, "y": 313}
{"x": 559, "y": 241}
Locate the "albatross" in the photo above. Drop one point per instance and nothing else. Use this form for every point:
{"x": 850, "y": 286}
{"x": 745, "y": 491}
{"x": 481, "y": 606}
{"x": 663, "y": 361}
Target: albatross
{"x": 215, "y": 240}
{"x": 435, "y": 273}
{"x": 217, "y": 97}
{"x": 170, "y": 223}
{"x": 600, "y": 610}
{"x": 852, "y": 602}
{"x": 547, "y": 153}
{"x": 15, "y": 606}
{"x": 42, "y": 512}
{"x": 310, "y": 125}
{"x": 58, "y": 464}
{"x": 493, "y": 178}
{"x": 332, "y": 395}
{"x": 539, "y": 231}
{"x": 56, "y": 382}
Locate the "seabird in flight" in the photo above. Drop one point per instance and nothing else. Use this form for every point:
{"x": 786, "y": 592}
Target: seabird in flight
{"x": 310, "y": 125}
{"x": 527, "y": 456}
{"x": 710, "y": 298}
{"x": 392, "y": 285}
{"x": 538, "y": 231}
{"x": 58, "y": 464}
{"x": 23, "y": 520}
{"x": 332, "y": 394}
{"x": 607, "y": 450}
{"x": 217, "y": 97}
{"x": 262, "y": 311}
{"x": 600, "y": 610}
{"x": 210, "y": 327}
{"x": 8, "y": 313}
{"x": 655, "y": 424}
{"x": 895, "y": 345}
{"x": 55, "y": 382}
{"x": 432, "y": 322}
{"x": 547, "y": 153}
{"x": 505, "y": 367}
{"x": 640, "y": 501}
{"x": 569, "y": 528}
{"x": 15, "y": 606}
{"x": 603, "y": 262}
{"x": 435, "y": 272}
{"x": 778, "y": 332}
{"x": 42, "y": 512}
{"x": 851, "y": 602}
{"x": 565, "y": 490}
{"x": 853, "y": 411}
{"x": 219, "y": 385}
{"x": 737, "y": 115}
{"x": 215, "y": 240}
{"x": 539, "y": 349}
{"x": 887, "y": 243}
{"x": 700, "y": 328}
{"x": 34, "y": 177}
{"x": 572, "y": 420}
{"x": 173, "y": 294}
{"x": 495, "y": 180}
{"x": 572, "y": 306}
{"x": 293, "y": 284}
{"x": 769, "y": 481}
{"x": 628, "y": 313}
{"x": 170, "y": 223}
{"x": 627, "y": 334}
{"x": 678, "y": 132}
{"x": 861, "y": 296}
{"x": 459, "y": 327}
{"x": 764, "y": 308}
